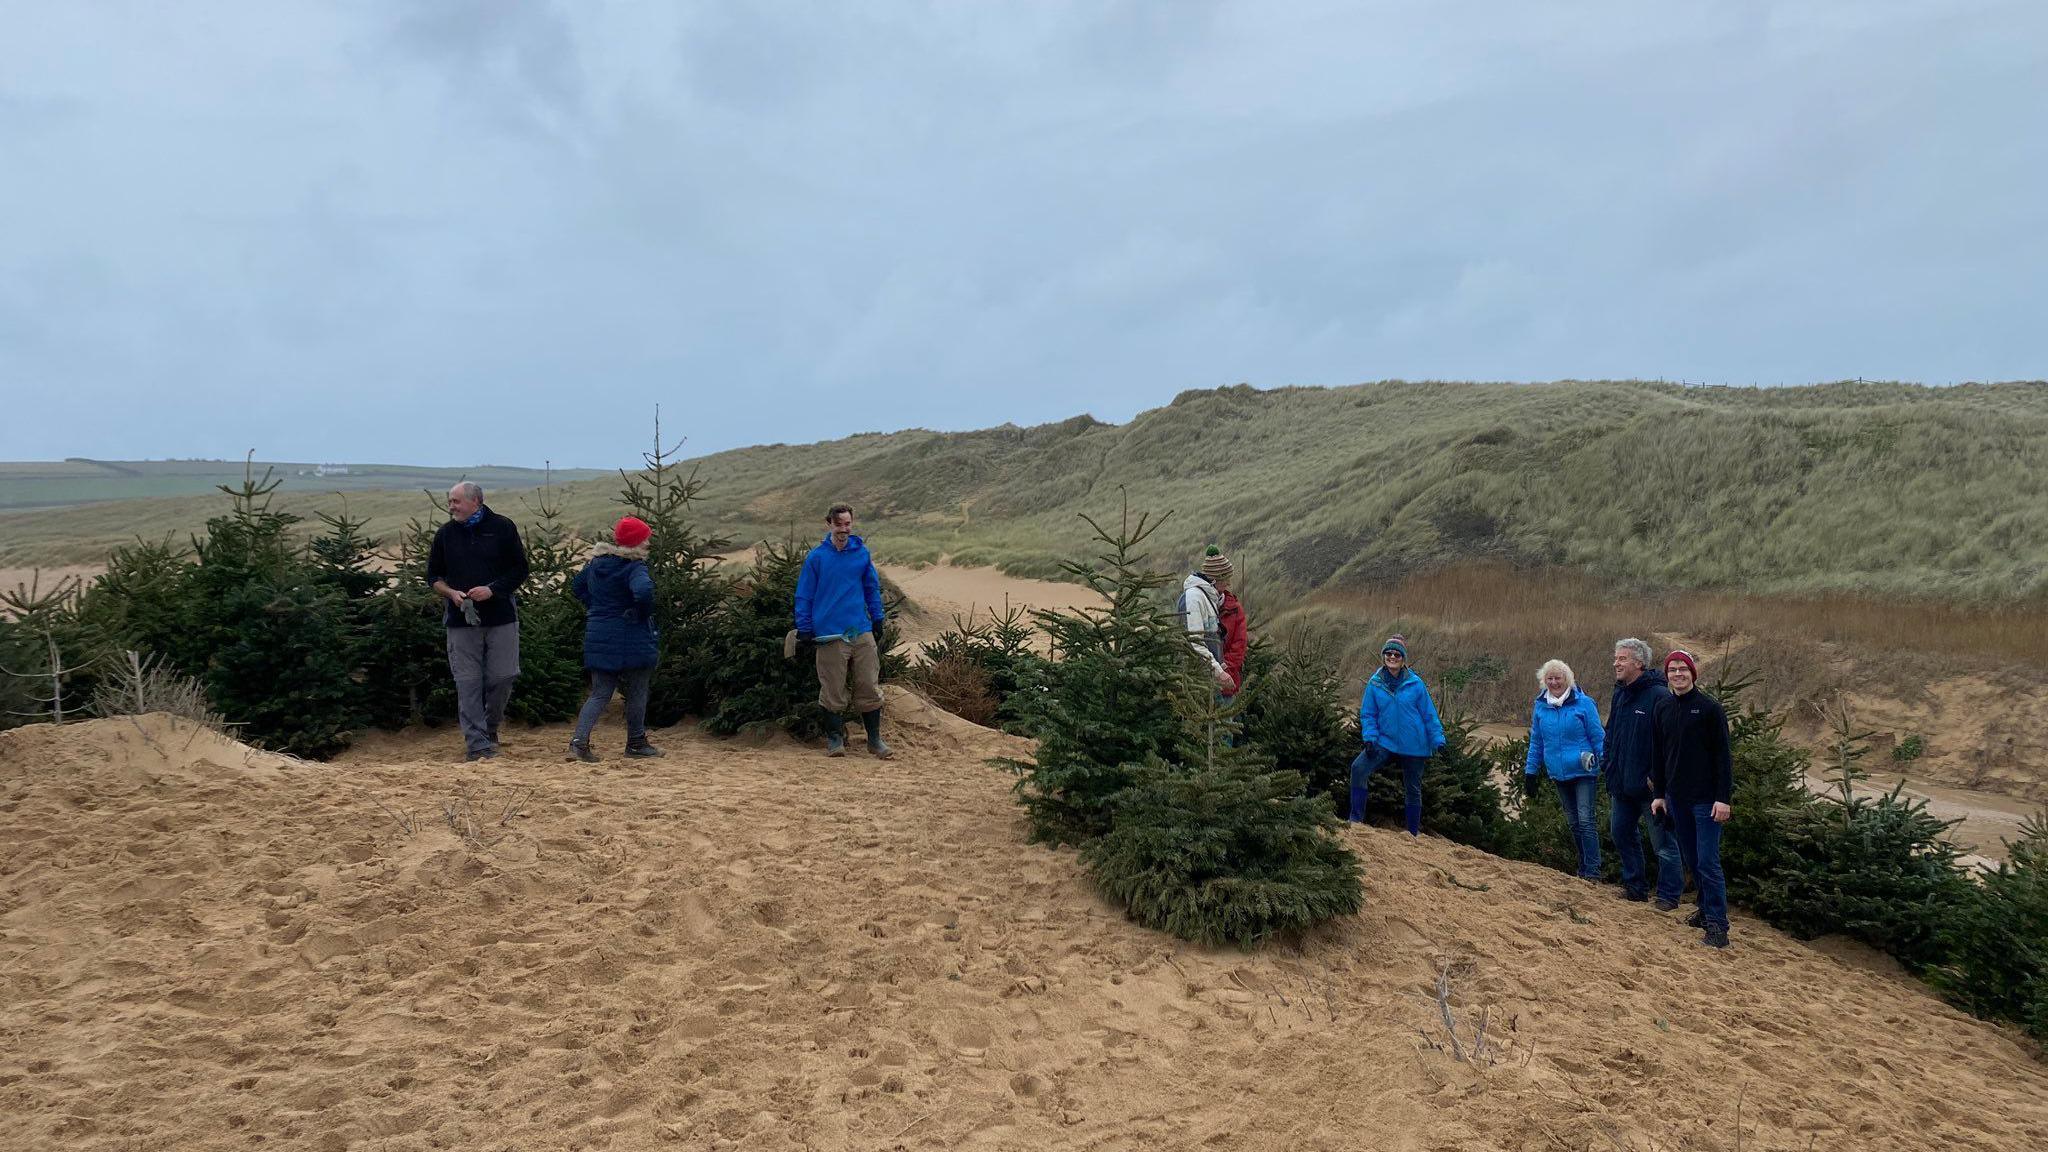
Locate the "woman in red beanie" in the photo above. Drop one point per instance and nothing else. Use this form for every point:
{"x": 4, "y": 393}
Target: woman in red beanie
{"x": 620, "y": 644}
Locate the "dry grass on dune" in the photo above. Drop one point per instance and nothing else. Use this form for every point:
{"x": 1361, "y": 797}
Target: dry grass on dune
{"x": 1520, "y": 617}
{"x": 749, "y": 946}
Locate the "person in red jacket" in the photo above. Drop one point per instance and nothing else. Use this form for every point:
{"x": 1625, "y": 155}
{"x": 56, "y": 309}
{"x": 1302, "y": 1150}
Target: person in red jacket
{"x": 1230, "y": 621}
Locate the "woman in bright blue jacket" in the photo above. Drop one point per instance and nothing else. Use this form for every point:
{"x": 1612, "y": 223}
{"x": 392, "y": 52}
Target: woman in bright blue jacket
{"x": 620, "y": 643}
{"x": 1398, "y": 723}
{"x": 1565, "y": 740}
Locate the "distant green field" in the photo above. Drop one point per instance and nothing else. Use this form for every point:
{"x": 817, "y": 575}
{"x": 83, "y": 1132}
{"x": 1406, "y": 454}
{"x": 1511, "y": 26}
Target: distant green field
{"x": 1878, "y": 489}
{"x": 57, "y": 484}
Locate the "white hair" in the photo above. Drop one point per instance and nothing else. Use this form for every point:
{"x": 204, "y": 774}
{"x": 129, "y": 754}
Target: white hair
{"x": 1549, "y": 666}
{"x": 470, "y": 489}
{"x": 1636, "y": 648}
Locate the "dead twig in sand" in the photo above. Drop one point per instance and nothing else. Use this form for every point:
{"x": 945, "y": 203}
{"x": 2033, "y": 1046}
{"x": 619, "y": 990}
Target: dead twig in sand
{"x": 1739, "y": 1094}
{"x": 907, "y": 1127}
{"x": 1571, "y": 912}
{"x": 1443, "y": 1004}
{"x": 460, "y": 815}
{"x": 515, "y": 806}
{"x": 1479, "y": 1054}
{"x": 1457, "y": 883}
{"x": 408, "y": 823}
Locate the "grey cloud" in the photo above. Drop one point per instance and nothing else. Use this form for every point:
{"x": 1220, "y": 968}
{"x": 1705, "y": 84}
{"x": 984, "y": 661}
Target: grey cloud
{"x": 478, "y": 230}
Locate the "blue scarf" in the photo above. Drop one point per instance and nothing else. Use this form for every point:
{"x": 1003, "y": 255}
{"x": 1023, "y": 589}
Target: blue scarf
{"x": 476, "y": 517}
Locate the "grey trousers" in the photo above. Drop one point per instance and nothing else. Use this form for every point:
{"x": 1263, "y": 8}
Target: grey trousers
{"x": 485, "y": 662}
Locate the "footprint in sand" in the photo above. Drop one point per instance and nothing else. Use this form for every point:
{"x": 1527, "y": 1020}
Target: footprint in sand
{"x": 970, "y": 1043}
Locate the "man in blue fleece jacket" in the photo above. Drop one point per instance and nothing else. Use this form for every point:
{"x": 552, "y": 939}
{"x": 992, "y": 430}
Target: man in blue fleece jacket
{"x": 838, "y": 608}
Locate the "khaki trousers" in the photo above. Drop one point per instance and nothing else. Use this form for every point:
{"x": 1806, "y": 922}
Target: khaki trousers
{"x": 833, "y": 657}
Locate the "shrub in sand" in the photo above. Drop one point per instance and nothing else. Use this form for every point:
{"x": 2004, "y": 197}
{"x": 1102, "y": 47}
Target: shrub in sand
{"x": 139, "y": 600}
{"x": 270, "y": 639}
{"x": 1769, "y": 795}
{"x": 1192, "y": 836}
{"x": 1297, "y": 715}
{"x": 1110, "y": 699}
{"x": 140, "y": 685}
{"x": 976, "y": 669}
{"x": 1226, "y": 850}
{"x": 688, "y": 590}
{"x": 1998, "y": 940}
{"x": 1876, "y": 868}
{"x": 48, "y": 653}
{"x": 959, "y": 684}
{"x": 551, "y": 682}
{"x": 406, "y": 679}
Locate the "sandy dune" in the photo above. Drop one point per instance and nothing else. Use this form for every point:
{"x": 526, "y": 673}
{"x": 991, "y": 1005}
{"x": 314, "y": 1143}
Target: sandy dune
{"x": 942, "y": 593}
{"x": 749, "y": 946}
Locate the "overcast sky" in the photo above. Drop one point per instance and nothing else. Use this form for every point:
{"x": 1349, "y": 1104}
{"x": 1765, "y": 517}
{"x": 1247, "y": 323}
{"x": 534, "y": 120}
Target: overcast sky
{"x": 480, "y": 231}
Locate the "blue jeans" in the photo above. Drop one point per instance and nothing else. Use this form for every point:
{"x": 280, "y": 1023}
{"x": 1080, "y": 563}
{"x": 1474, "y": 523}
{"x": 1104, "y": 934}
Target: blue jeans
{"x": 1625, "y": 823}
{"x": 1370, "y": 761}
{"x": 1699, "y": 844}
{"x": 1577, "y": 798}
{"x": 602, "y": 684}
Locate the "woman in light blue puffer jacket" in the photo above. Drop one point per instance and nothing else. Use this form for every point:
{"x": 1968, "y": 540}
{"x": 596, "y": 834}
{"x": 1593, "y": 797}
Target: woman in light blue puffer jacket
{"x": 1565, "y": 740}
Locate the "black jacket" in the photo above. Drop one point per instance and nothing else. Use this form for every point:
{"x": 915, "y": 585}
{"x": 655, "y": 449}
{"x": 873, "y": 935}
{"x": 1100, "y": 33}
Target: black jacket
{"x": 1631, "y": 735}
{"x": 1692, "y": 764}
{"x": 488, "y": 554}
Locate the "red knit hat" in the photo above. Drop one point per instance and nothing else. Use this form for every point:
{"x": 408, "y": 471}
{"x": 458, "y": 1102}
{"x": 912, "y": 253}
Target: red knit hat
{"x": 631, "y": 532}
{"x": 1681, "y": 656}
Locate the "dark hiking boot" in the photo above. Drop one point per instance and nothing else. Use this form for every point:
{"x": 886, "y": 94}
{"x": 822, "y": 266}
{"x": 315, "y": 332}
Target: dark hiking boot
{"x": 835, "y": 734}
{"x": 644, "y": 751}
{"x": 1634, "y": 897}
{"x": 483, "y": 754}
{"x": 1715, "y": 938}
{"x": 872, "y": 721}
{"x": 581, "y": 752}
{"x": 1698, "y": 919}
{"x": 1664, "y": 905}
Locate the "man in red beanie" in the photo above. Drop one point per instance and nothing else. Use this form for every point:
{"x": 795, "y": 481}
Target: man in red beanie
{"x": 1692, "y": 776}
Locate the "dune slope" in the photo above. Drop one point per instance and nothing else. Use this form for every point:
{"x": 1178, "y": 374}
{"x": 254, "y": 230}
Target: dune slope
{"x": 747, "y": 945}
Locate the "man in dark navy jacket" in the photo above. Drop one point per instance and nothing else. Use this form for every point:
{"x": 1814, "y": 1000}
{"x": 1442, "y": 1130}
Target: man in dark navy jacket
{"x": 1692, "y": 773}
{"x": 476, "y": 563}
{"x": 1637, "y": 689}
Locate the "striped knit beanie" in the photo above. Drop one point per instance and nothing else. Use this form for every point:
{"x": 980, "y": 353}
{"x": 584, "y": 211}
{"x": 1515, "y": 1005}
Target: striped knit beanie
{"x": 1215, "y": 565}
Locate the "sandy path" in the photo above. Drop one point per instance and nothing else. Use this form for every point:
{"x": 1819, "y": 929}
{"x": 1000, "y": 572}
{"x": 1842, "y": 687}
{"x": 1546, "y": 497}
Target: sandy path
{"x": 47, "y": 577}
{"x": 942, "y": 592}
{"x": 749, "y": 946}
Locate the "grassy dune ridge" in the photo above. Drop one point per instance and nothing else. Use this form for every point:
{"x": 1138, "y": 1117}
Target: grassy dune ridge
{"x": 1882, "y": 489}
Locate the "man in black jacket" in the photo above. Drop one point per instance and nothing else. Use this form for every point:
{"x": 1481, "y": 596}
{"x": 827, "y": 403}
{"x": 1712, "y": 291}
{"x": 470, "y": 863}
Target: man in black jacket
{"x": 476, "y": 563}
{"x": 1626, "y": 765}
{"x": 1692, "y": 774}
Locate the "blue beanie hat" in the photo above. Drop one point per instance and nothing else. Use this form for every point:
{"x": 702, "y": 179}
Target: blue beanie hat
{"x": 1395, "y": 643}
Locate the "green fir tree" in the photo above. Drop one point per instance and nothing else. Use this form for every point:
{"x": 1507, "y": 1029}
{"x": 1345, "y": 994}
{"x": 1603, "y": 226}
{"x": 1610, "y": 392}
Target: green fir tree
{"x": 551, "y": 680}
{"x": 688, "y": 590}
{"x": 1109, "y": 700}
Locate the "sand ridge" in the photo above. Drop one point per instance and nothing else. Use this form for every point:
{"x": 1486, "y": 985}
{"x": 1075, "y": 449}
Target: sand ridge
{"x": 749, "y": 946}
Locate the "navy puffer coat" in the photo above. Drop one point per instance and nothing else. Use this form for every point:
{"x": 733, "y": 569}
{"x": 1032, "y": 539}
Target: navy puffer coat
{"x": 618, "y": 628}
